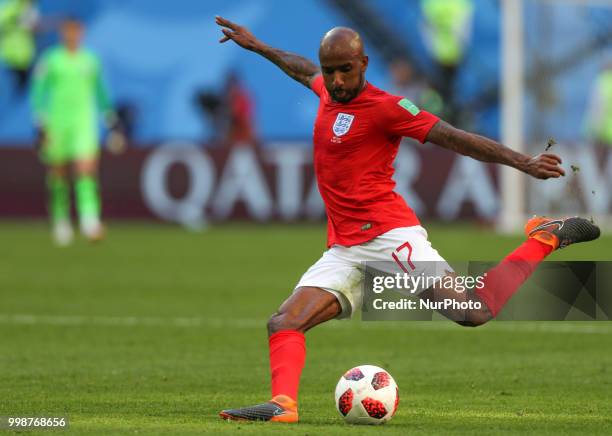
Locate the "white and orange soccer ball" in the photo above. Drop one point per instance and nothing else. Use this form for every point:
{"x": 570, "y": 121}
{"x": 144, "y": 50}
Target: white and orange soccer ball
{"x": 367, "y": 394}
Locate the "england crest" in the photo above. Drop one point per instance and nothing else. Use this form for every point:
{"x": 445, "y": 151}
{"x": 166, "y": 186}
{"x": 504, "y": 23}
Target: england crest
{"x": 342, "y": 124}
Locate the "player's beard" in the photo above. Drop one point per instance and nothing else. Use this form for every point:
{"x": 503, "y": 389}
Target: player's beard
{"x": 346, "y": 95}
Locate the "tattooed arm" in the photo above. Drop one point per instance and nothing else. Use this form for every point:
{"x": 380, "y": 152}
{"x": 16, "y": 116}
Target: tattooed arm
{"x": 295, "y": 66}
{"x": 542, "y": 166}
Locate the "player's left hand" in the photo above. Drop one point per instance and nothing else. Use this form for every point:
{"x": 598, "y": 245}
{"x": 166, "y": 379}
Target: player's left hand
{"x": 544, "y": 166}
{"x": 116, "y": 141}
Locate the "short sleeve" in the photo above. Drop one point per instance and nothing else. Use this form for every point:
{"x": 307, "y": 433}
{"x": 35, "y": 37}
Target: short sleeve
{"x": 403, "y": 118}
{"x": 317, "y": 85}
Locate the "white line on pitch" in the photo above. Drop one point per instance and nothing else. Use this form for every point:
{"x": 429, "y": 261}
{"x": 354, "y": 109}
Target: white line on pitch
{"x": 193, "y": 322}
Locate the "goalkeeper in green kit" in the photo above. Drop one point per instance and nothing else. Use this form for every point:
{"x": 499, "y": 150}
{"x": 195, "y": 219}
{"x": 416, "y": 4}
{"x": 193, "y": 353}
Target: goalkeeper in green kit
{"x": 67, "y": 96}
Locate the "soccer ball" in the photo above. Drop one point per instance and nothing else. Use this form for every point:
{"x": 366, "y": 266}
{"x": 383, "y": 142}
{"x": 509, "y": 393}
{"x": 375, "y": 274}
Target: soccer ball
{"x": 367, "y": 394}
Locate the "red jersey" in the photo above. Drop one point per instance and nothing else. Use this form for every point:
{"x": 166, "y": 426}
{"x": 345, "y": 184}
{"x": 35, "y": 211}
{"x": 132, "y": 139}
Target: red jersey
{"x": 355, "y": 144}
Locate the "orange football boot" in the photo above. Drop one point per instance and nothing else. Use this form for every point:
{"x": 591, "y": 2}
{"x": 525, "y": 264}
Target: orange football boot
{"x": 559, "y": 233}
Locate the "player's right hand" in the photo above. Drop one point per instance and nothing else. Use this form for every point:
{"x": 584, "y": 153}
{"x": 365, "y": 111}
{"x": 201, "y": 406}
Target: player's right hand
{"x": 239, "y": 34}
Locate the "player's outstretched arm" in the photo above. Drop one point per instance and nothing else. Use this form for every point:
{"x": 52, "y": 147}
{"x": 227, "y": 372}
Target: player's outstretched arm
{"x": 295, "y": 66}
{"x": 542, "y": 166}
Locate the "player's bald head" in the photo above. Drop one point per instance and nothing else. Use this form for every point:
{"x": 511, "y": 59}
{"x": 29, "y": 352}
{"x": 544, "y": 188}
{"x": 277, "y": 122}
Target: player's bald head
{"x": 343, "y": 63}
{"x": 341, "y": 42}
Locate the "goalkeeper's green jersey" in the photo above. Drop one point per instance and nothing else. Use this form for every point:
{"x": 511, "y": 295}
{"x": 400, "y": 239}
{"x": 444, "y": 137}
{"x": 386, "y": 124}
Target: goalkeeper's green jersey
{"x": 68, "y": 88}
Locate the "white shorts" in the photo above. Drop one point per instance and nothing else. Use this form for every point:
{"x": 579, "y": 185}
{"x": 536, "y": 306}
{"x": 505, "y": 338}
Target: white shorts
{"x": 340, "y": 270}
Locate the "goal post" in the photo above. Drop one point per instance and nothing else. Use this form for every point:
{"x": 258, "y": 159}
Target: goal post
{"x": 512, "y": 188}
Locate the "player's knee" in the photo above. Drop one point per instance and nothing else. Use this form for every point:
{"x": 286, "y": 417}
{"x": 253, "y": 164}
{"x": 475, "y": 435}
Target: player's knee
{"x": 58, "y": 171}
{"x": 283, "y": 321}
{"x": 475, "y": 318}
{"x": 85, "y": 172}
{"x": 469, "y": 323}
{"x": 87, "y": 168}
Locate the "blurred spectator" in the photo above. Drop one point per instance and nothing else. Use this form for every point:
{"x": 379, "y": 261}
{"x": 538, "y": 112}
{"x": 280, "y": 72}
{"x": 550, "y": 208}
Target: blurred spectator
{"x": 416, "y": 89}
{"x": 240, "y": 111}
{"x": 599, "y": 117}
{"x": 211, "y": 106}
{"x": 18, "y": 20}
{"x": 447, "y": 28}
{"x": 230, "y": 113}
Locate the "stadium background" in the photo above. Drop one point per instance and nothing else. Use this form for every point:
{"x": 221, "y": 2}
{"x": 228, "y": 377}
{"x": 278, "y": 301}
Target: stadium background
{"x": 160, "y": 57}
{"x": 160, "y": 326}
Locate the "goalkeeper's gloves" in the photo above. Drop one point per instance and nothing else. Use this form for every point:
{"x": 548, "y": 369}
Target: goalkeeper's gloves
{"x": 116, "y": 140}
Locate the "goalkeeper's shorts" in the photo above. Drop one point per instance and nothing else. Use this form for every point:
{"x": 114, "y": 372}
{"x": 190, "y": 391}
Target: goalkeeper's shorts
{"x": 340, "y": 270}
{"x": 70, "y": 143}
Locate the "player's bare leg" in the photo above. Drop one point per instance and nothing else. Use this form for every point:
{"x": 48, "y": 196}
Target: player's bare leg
{"x": 58, "y": 187}
{"x": 544, "y": 235}
{"x": 87, "y": 198}
{"x": 466, "y": 317}
{"x": 303, "y": 310}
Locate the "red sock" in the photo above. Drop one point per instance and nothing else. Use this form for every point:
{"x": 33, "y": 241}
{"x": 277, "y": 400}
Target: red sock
{"x": 287, "y": 356}
{"x": 503, "y": 280}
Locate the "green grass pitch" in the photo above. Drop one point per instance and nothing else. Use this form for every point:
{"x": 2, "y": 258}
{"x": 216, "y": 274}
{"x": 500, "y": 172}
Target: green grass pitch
{"x": 157, "y": 329}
